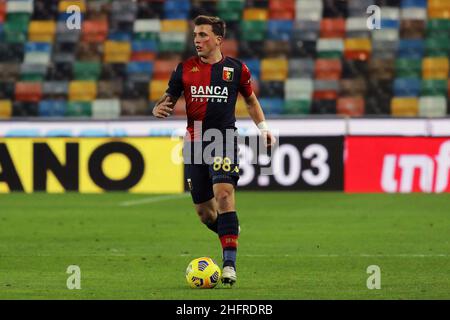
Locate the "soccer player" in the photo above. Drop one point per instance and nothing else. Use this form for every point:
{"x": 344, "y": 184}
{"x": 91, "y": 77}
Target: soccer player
{"x": 211, "y": 83}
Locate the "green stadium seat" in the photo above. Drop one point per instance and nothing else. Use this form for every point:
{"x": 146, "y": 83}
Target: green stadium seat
{"x": 437, "y": 46}
{"x": 408, "y": 68}
{"x": 438, "y": 27}
{"x": 297, "y": 107}
{"x": 253, "y": 30}
{"x": 230, "y": 10}
{"x": 79, "y": 109}
{"x": 15, "y": 28}
{"x": 83, "y": 70}
{"x": 434, "y": 88}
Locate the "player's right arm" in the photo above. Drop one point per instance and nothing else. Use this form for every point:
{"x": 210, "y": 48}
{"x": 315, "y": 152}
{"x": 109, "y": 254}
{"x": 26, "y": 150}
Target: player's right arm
{"x": 165, "y": 105}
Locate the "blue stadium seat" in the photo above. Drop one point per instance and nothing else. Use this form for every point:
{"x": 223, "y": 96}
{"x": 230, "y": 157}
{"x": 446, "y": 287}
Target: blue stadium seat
{"x": 177, "y": 5}
{"x": 120, "y": 36}
{"x": 177, "y": 9}
{"x": 272, "y": 106}
{"x": 52, "y": 108}
{"x": 144, "y": 46}
{"x": 38, "y": 47}
{"x": 140, "y": 67}
{"x": 177, "y": 15}
{"x": 406, "y": 87}
{"x": 279, "y": 30}
{"x": 390, "y": 24}
{"x": 412, "y": 49}
{"x": 414, "y": 4}
{"x": 255, "y": 67}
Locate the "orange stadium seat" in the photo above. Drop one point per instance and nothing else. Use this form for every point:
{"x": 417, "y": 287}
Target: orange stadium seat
{"x": 143, "y": 56}
{"x": 448, "y": 88}
{"x": 328, "y": 69}
{"x": 332, "y": 28}
{"x": 2, "y": 11}
{"x": 28, "y": 91}
{"x": 163, "y": 69}
{"x": 94, "y": 30}
{"x": 230, "y": 48}
{"x": 281, "y": 9}
{"x": 350, "y": 106}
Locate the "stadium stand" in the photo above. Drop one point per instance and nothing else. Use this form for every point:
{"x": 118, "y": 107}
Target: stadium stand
{"x": 306, "y": 57}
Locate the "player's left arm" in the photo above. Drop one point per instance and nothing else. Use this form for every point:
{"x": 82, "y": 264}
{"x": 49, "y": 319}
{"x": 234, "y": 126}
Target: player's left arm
{"x": 257, "y": 114}
{"x": 254, "y": 107}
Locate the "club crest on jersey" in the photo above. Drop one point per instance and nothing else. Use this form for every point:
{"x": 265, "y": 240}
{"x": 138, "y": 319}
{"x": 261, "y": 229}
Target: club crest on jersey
{"x": 228, "y": 74}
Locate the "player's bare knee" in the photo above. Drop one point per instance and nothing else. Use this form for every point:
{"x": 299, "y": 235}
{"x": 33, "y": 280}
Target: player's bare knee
{"x": 224, "y": 199}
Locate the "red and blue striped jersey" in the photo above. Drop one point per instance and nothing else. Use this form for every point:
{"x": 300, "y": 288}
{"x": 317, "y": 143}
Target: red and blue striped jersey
{"x": 210, "y": 91}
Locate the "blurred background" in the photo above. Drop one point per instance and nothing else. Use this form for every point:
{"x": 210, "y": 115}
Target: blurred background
{"x": 306, "y": 56}
{"x": 356, "y": 109}
{"x": 326, "y": 72}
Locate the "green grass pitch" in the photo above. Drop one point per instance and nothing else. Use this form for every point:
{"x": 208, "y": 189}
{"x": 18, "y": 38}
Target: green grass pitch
{"x": 292, "y": 246}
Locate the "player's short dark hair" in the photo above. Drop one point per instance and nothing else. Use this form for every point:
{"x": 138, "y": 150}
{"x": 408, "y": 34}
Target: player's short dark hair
{"x": 218, "y": 25}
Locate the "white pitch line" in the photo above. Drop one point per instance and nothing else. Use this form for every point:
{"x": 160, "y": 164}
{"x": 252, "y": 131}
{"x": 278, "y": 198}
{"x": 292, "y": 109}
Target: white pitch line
{"x": 153, "y": 199}
{"x": 340, "y": 256}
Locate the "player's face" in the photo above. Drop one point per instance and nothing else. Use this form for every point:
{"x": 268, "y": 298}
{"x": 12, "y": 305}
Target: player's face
{"x": 205, "y": 41}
